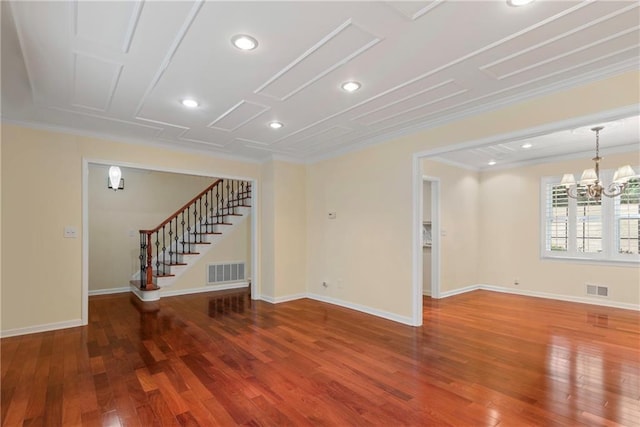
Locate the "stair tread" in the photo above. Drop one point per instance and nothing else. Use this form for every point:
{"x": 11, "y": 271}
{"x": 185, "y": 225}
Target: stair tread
{"x": 216, "y": 223}
{"x": 174, "y": 263}
{"x": 188, "y": 253}
{"x": 164, "y": 275}
{"x": 195, "y": 243}
{"x": 208, "y": 232}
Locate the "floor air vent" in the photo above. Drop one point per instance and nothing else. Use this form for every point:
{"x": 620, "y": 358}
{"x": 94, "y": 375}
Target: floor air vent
{"x": 225, "y": 273}
{"x": 597, "y": 290}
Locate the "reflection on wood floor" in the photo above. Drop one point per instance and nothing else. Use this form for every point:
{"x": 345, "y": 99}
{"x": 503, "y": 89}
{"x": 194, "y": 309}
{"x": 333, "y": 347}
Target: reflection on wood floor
{"x": 220, "y": 359}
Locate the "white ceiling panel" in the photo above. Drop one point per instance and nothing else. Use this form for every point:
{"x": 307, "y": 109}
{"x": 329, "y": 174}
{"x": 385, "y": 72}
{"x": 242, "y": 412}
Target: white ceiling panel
{"x": 121, "y": 69}
{"x": 95, "y": 81}
{"x": 110, "y": 23}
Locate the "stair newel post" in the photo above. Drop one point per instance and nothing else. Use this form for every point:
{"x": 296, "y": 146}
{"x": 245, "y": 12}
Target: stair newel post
{"x": 149, "y": 265}
{"x": 143, "y": 256}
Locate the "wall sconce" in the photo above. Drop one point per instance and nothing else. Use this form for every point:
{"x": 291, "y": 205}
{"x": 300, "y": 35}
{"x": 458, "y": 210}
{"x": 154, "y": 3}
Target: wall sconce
{"x": 116, "y": 182}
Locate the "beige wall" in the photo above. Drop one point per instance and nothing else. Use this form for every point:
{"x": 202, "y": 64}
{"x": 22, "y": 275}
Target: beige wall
{"x": 284, "y": 250}
{"x": 364, "y": 254}
{"x": 267, "y": 225}
{"x": 370, "y": 244}
{"x": 42, "y": 193}
{"x": 510, "y": 237}
{"x": 459, "y": 224}
{"x": 115, "y": 217}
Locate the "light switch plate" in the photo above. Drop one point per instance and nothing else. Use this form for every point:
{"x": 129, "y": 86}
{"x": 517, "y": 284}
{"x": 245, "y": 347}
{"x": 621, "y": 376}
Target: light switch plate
{"x": 70, "y": 232}
{"x": 332, "y": 215}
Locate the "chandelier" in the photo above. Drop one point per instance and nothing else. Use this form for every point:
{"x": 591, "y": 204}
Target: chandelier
{"x": 590, "y": 185}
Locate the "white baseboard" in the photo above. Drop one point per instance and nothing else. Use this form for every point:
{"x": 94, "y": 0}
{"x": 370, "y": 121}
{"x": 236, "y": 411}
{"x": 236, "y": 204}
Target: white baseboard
{"x": 559, "y": 297}
{"x": 40, "y": 328}
{"x": 569, "y": 298}
{"x": 109, "y": 291}
{"x": 464, "y": 290}
{"x": 362, "y": 308}
{"x": 277, "y": 300}
{"x": 211, "y": 288}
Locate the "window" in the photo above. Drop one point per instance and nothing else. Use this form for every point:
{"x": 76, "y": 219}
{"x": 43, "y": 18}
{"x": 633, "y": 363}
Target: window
{"x": 627, "y": 217}
{"x": 595, "y": 230}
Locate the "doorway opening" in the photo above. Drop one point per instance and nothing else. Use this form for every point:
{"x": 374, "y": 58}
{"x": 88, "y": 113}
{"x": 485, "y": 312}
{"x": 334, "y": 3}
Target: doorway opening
{"x": 430, "y": 236}
{"x": 94, "y": 180}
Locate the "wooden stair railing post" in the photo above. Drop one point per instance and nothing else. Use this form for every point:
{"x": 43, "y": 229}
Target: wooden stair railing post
{"x": 149, "y": 278}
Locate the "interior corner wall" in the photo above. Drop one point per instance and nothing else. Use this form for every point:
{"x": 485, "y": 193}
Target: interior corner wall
{"x": 1, "y": 191}
{"x": 511, "y": 238}
{"x": 284, "y": 197}
{"x": 41, "y": 194}
{"x": 267, "y": 237}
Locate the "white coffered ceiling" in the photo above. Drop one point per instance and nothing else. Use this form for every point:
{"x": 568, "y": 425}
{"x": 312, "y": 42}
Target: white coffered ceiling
{"x": 120, "y": 69}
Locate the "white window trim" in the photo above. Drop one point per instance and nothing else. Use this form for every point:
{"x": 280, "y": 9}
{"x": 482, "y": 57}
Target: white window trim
{"x": 609, "y": 255}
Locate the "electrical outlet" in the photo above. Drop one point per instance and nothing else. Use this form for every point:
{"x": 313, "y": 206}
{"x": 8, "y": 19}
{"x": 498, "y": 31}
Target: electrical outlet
{"x": 516, "y": 282}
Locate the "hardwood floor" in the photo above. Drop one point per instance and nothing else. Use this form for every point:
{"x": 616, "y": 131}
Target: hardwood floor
{"x": 480, "y": 359}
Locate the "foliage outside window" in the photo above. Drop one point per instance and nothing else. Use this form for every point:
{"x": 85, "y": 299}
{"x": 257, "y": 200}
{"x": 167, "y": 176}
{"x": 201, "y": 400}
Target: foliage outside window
{"x": 583, "y": 228}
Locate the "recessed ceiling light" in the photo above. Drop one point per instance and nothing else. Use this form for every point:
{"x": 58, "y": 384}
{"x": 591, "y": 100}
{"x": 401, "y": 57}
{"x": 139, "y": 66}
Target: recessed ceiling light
{"x": 527, "y": 145}
{"x": 275, "y": 125}
{"x": 190, "y": 103}
{"x": 350, "y": 86}
{"x": 517, "y": 3}
{"x": 244, "y": 42}
{"x": 492, "y": 162}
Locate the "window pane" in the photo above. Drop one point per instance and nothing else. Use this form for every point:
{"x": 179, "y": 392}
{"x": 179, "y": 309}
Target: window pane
{"x": 589, "y": 225}
{"x": 557, "y": 218}
{"x": 628, "y": 219}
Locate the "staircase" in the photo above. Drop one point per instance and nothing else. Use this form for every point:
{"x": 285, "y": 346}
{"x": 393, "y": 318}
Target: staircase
{"x": 172, "y": 247}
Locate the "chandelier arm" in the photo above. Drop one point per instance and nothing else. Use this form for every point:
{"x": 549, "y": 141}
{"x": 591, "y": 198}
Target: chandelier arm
{"x": 572, "y": 191}
{"x": 614, "y": 189}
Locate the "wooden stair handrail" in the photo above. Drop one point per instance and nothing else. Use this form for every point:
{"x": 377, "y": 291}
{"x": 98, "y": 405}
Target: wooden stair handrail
{"x": 182, "y": 209}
